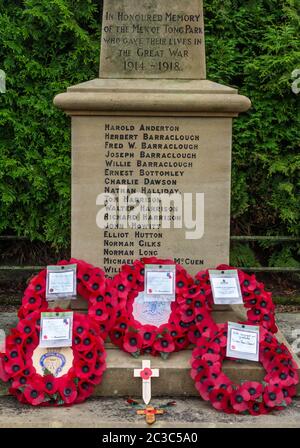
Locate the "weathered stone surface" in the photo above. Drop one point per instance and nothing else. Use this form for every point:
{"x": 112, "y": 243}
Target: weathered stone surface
{"x": 182, "y": 145}
{"x": 162, "y": 97}
{"x": 152, "y": 39}
{"x": 116, "y": 413}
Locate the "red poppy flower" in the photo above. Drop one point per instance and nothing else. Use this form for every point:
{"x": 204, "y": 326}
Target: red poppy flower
{"x": 99, "y": 367}
{"x": 200, "y": 349}
{"x": 132, "y": 342}
{"x": 68, "y": 391}
{"x": 148, "y": 335}
{"x": 283, "y": 376}
{"x": 34, "y": 394}
{"x": 117, "y": 337}
{"x": 164, "y": 344}
{"x": 248, "y": 282}
{"x": 213, "y": 361}
{"x": 254, "y": 388}
{"x": 31, "y": 342}
{"x": 288, "y": 393}
{"x": 220, "y": 339}
{"x": 86, "y": 342}
{"x": 99, "y": 312}
{"x": 199, "y": 369}
{"x": 223, "y": 382}
{"x": 84, "y": 272}
{"x": 26, "y": 327}
{"x": 239, "y": 399}
{"x": 130, "y": 275}
{"x": 94, "y": 379}
{"x": 4, "y": 376}
{"x": 205, "y": 386}
{"x": 187, "y": 314}
{"x": 18, "y": 394}
{"x": 96, "y": 283}
{"x": 122, "y": 285}
{"x": 273, "y": 396}
{"x": 122, "y": 324}
{"x": 194, "y": 335}
{"x": 146, "y": 373}
{"x": 183, "y": 282}
{"x": 255, "y": 314}
{"x": 150, "y": 351}
{"x": 83, "y": 370}
{"x": 205, "y": 325}
{"x": 139, "y": 272}
{"x": 31, "y": 302}
{"x": 19, "y": 381}
{"x": 220, "y": 399}
{"x": 85, "y": 389}
{"x": 14, "y": 366}
{"x": 181, "y": 341}
{"x": 257, "y": 408}
{"x": 38, "y": 284}
{"x": 50, "y": 384}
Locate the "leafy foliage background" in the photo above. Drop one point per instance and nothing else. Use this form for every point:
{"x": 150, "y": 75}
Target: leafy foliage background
{"x": 48, "y": 45}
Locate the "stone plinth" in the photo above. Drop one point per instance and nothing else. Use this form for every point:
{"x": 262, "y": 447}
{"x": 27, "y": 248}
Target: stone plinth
{"x": 152, "y": 136}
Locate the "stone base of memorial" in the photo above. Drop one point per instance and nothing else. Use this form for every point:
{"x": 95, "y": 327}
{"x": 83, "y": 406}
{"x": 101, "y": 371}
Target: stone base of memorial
{"x": 174, "y": 377}
{"x": 152, "y": 137}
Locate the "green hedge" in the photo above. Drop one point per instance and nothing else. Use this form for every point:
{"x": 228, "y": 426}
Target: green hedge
{"x": 48, "y": 45}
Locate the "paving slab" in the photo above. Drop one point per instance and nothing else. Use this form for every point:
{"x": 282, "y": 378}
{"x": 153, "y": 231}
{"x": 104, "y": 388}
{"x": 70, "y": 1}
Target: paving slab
{"x": 116, "y": 413}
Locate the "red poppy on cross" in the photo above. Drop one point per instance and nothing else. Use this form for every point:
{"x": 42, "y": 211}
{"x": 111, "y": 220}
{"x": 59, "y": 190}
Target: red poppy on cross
{"x": 146, "y": 373}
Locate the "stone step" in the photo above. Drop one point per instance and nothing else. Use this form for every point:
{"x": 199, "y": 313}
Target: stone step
{"x": 116, "y": 413}
{"x": 174, "y": 377}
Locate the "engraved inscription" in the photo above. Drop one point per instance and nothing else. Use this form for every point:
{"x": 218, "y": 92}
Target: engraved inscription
{"x": 152, "y": 39}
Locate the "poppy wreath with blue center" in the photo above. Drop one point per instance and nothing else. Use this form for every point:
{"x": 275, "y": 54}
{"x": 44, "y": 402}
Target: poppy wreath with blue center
{"x": 135, "y": 338}
{"x": 92, "y": 285}
{"x": 30, "y": 387}
{"x": 257, "y": 301}
{"x": 249, "y": 397}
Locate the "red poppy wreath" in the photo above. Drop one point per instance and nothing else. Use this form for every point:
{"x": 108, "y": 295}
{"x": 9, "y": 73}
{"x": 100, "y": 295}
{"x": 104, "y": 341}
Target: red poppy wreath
{"x": 92, "y": 285}
{"x": 136, "y": 338}
{"x": 31, "y": 387}
{"x": 257, "y": 301}
{"x": 250, "y": 397}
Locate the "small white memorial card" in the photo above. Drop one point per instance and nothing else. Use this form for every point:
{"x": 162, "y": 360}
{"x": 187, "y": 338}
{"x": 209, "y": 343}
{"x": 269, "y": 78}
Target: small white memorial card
{"x": 243, "y": 341}
{"x": 61, "y": 282}
{"x": 56, "y": 329}
{"x": 160, "y": 283}
{"x": 225, "y": 287}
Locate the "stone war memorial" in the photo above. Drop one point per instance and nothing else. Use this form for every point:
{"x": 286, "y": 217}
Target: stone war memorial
{"x": 149, "y": 305}
{"x": 152, "y": 124}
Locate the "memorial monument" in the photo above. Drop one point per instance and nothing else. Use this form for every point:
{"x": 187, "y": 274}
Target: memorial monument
{"x": 152, "y": 125}
{"x": 153, "y": 135}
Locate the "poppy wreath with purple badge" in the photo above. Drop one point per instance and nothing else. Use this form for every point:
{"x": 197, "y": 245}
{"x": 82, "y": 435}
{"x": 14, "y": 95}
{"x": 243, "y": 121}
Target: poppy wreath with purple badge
{"x": 257, "y": 301}
{"x": 249, "y": 397}
{"x": 78, "y": 383}
{"x": 135, "y": 338}
{"x": 92, "y": 285}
